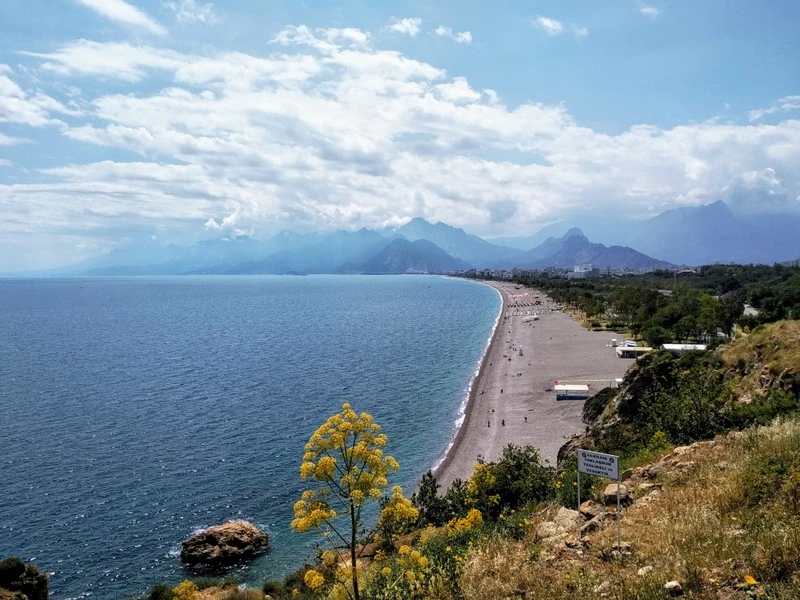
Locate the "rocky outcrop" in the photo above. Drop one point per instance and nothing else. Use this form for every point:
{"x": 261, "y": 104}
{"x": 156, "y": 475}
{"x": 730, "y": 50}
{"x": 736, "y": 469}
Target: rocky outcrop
{"x": 224, "y": 545}
{"x": 22, "y": 581}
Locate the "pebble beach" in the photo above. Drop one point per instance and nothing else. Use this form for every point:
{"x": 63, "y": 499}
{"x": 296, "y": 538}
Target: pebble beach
{"x": 512, "y": 398}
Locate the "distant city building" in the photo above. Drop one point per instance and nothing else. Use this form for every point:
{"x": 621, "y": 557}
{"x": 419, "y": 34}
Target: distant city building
{"x": 584, "y": 272}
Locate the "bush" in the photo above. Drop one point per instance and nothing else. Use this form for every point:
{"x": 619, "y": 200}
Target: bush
{"x": 160, "y": 591}
{"x": 11, "y": 571}
{"x": 519, "y": 478}
{"x": 761, "y": 411}
{"x": 567, "y": 484}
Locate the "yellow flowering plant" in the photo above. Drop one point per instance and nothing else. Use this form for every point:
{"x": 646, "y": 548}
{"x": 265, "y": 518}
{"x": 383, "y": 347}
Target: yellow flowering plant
{"x": 185, "y": 590}
{"x": 403, "y": 575}
{"x": 346, "y": 466}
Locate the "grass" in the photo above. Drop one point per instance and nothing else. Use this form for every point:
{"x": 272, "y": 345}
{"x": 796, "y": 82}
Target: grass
{"x": 774, "y": 350}
{"x": 732, "y": 516}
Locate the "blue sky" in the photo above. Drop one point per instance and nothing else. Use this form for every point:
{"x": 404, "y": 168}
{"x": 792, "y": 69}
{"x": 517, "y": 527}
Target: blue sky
{"x": 169, "y": 121}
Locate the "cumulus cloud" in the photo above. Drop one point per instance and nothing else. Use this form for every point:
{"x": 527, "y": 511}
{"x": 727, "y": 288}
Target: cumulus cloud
{"x": 124, "y": 13}
{"x": 326, "y": 131}
{"x": 409, "y": 26}
{"x": 459, "y": 37}
{"x": 550, "y": 26}
{"x": 787, "y": 103}
{"x": 189, "y": 11}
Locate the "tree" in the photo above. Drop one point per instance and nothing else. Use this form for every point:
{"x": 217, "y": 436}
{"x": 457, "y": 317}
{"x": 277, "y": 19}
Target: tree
{"x": 432, "y": 507}
{"x": 345, "y": 460}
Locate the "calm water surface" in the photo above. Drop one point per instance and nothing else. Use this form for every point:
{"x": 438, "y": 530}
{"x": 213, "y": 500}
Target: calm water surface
{"x": 136, "y": 411}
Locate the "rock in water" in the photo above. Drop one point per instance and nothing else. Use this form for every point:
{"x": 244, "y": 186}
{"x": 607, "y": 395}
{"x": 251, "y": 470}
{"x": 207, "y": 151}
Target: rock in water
{"x": 224, "y": 545}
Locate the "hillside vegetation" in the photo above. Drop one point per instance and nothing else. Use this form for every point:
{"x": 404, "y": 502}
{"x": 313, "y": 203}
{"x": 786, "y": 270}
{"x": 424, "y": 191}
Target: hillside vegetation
{"x": 711, "y": 500}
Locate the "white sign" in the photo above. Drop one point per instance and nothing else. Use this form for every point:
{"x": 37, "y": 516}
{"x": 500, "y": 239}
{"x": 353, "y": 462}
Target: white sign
{"x": 597, "y": 463}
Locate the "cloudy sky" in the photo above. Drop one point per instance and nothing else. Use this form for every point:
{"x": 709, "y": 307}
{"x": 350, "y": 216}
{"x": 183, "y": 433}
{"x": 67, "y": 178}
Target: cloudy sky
{"x": 169, "y": 121}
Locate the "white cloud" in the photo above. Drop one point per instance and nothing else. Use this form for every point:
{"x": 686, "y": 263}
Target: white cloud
{"x": 4, "y": 162}
{"x": 116, "y": 60}
{"x": 785, "y": 104}
{"x": 325, "y": 131}
{"x": 550, "y": 26}
{"x": 6, "y": 140}
{"x": 189, "y": 11}
{"x": 460, "y": 37}
{"x": 28, "y": 108}
{"x": 648, "y": 10}
{"x": 409, "y": 26}
{"x": 457, "y": 91}
{"x": 122, "y": 12}
{"x": 580, "y": 31}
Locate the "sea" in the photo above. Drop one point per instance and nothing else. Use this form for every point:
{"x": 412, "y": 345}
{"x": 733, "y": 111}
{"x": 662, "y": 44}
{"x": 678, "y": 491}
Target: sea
{"x": 135, "y": 412}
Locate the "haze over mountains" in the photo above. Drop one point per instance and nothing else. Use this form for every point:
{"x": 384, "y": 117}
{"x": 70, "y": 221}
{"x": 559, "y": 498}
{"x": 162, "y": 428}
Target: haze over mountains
{"x": 687, "y": 236}
{"x": 690, "y": 236}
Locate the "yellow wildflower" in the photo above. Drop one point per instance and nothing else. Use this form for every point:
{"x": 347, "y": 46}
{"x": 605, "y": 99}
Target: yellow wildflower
{"x": 314, "y": 579}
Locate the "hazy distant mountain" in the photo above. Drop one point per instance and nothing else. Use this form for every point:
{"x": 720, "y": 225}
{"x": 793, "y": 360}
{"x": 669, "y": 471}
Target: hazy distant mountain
{"x": 207, "y": 256}
{"x": 555, "y": 230}
{"x": 457, "y": 243}
{"x": 712, "y": 233}
{"x": 691, "y": 235}
{"x": 175, "y": 260}
{"x": 326, "y": 255}
{"x": 404, "y": 256}
{"x": 574, "y": 248}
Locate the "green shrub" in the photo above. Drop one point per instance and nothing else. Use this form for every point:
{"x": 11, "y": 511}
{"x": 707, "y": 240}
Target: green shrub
{"x": 761, "y": 411}
{"x": 521, "y": 477}
{"x": 567, "y": 484}
{"x": 594, "y": 406}
{"x": 160, "y": 591}
{"x": 11, "y": 571}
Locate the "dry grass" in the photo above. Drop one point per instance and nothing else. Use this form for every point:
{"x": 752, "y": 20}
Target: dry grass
{"x": 775, "y": 349}
{"x": 731, "y": 515}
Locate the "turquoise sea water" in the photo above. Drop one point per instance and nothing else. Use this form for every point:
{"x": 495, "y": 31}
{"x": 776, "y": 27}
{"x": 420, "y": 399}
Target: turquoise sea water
{"x": 136, "y": 411}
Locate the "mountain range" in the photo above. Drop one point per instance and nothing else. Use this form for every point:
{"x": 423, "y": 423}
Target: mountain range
{"x": 686, "y": 236}
{"x": 700, "y": 235}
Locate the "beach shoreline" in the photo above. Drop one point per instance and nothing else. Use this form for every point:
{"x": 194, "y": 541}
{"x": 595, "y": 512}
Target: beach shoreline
{"x": 511, "y": 398}
{"x": 452, "y": 449}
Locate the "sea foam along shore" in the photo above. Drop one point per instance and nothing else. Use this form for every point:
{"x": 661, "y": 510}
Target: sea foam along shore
{"x": 463, "y": 409}
{"x": 511, "y": 399}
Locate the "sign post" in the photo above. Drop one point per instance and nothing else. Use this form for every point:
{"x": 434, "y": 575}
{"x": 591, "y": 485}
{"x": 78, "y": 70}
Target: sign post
{"x": 601, "y": 465}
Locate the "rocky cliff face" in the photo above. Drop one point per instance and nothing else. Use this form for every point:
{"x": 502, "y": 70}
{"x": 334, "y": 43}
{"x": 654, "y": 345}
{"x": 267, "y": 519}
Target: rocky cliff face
{"x": 224, "y": 545}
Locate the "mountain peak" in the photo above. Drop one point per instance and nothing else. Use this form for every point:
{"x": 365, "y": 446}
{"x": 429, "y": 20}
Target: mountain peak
{"x": 574, "y": 232}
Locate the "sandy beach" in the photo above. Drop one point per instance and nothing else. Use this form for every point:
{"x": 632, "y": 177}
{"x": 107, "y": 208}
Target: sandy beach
{"x": 509, "y": 402}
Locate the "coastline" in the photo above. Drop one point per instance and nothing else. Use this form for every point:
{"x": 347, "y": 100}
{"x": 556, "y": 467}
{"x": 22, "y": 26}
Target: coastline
{"x": 509, "y": 401}
{"x": 453, "y": 446}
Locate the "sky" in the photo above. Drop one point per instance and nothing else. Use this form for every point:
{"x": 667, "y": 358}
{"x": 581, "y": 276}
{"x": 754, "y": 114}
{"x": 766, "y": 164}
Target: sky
{"x": 170, "y": 121}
